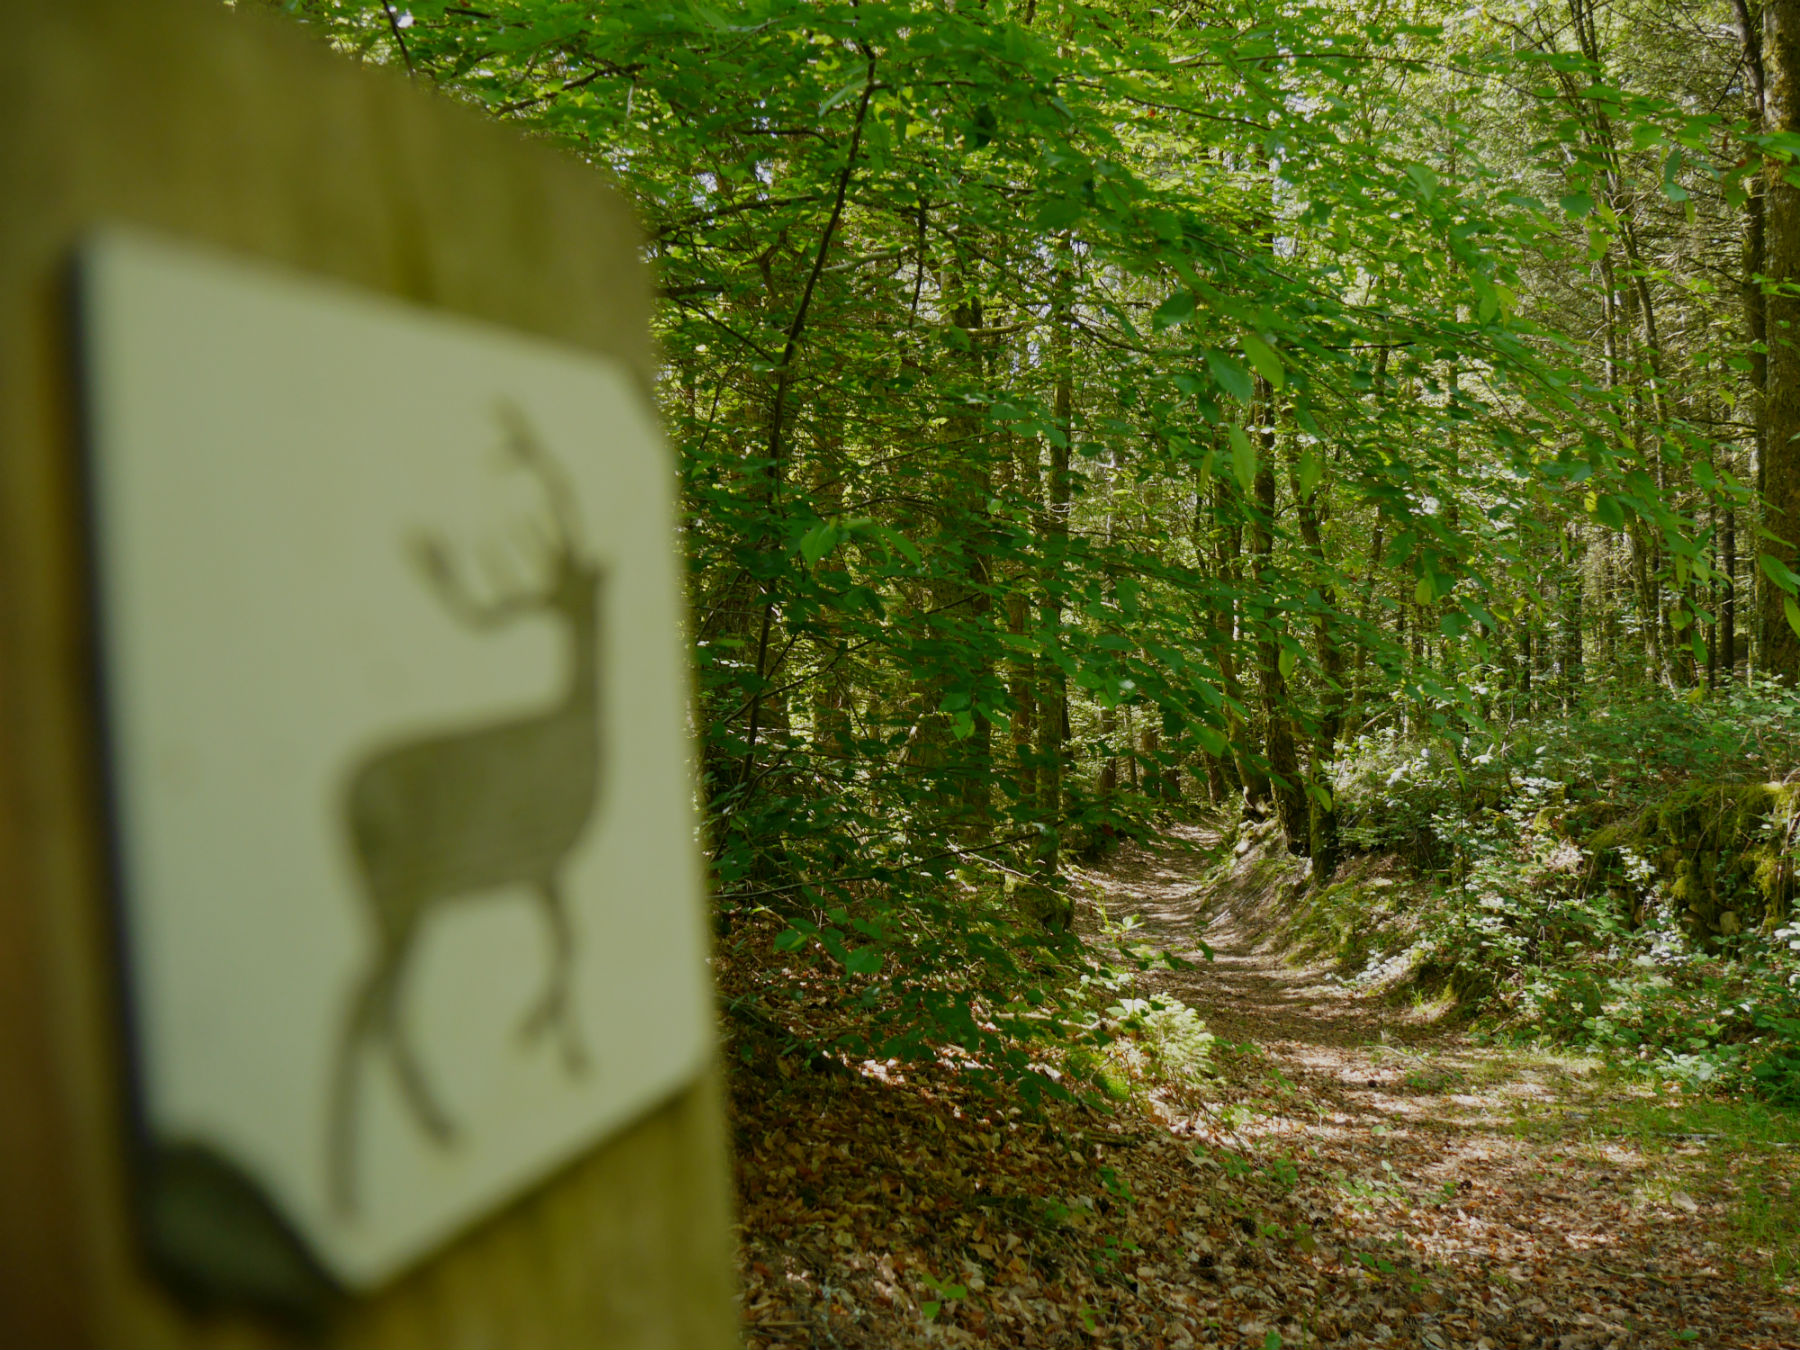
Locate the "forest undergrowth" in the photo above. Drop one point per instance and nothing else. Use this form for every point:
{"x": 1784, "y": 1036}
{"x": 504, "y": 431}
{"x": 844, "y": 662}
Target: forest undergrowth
{"x": 1622, "y": 880}
{"x": 1330, "y": 1168}
{"x": 1501, "y": 1081}
{"x": 1382, "y": 415}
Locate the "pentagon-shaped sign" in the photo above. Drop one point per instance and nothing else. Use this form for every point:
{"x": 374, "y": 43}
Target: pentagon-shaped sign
{"x": 395, "y": 689}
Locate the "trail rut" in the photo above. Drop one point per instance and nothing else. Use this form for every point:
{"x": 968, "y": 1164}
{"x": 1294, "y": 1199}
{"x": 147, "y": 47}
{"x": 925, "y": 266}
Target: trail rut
{"x": 1458, "y": 1194}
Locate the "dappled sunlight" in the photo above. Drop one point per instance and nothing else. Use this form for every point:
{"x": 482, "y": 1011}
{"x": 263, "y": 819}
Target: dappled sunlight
{"x": 1464, "y": 1190}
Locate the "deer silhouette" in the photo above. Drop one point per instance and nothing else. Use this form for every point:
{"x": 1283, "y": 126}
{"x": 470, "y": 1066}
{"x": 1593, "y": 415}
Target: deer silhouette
{"x": 464, "y": 812}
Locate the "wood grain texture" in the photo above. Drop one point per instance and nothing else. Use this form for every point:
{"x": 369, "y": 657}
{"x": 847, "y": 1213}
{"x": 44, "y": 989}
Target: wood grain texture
{"x": 230, "y": 130}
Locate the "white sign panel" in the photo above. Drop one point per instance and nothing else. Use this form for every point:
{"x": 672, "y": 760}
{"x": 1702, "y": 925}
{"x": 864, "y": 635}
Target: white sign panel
{"x": 395, "y": 687}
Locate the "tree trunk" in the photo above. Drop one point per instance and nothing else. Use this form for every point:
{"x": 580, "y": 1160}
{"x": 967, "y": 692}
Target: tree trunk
{"x": 1022, "y": 681}
{"x": 1728, "y": 653}
{"x": 1312, "y": 510}
{"x": 1229, "y": 551}
{"x": 1781, "y": 445}
{"x": 1108, "y": 781}
{"x": 1053, "y": 691}
{"x": 1572, "y": 621}
{"x": 971, "y": 485}
{"x": 1278, "y": 728}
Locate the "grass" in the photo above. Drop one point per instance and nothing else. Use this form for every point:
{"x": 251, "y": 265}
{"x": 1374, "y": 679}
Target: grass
{"x": 1741, "y": 1154}
{"x": 1743, "y": 1151}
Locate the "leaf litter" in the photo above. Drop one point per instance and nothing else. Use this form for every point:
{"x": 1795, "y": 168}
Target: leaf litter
{"x": 1351, "y": 1175}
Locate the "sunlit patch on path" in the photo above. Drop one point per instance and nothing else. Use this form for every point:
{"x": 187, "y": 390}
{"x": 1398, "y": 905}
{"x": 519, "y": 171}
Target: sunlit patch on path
{"x": 1358, "y": 1175}
{"x": 1458, "y": 1194}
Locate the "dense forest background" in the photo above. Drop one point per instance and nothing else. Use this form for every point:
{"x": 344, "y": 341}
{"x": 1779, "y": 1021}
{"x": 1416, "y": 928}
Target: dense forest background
{"x": 1376, "y": 418}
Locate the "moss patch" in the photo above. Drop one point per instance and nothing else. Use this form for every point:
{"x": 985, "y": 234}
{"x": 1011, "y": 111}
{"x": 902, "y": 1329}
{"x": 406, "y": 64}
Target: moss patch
{"x": 1725, "y": 851}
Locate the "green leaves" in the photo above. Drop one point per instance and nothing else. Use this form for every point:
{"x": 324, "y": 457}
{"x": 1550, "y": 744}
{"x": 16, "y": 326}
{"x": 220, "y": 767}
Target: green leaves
{"x": 1311, "y": 470}
{"x": 1185, "y": 303}
{"x": 862, "y": 961}
{"x": 1177, "y": 309}
{"x": 946, "y": 1292}
{"x": 1230, "y": 376}
{"x": 1607, "y": 509}
{"x": 1424, "y": 181}
{"x": 1783, "y": 576}
{"x": 816, "y": 543}
{"x": 1264, "y": 359}
{"x": 1778, "y": 572}
{"x": 1243, "y": 459}
{"x": 848, "y": 92}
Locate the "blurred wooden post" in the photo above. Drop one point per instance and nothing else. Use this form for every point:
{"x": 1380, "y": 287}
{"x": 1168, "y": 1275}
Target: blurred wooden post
{"x": 227, "y": 129}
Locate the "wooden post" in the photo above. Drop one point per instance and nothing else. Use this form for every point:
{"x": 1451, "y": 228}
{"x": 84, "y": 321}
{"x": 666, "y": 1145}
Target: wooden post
{"x": 227, "y": 130}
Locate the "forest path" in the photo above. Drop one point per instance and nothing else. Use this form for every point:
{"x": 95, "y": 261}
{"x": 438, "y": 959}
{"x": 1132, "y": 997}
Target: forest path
{"x": 1457, "y": 1194}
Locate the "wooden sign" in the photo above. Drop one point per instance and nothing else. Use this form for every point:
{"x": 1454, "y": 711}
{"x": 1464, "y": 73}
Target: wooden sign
{"x": 395, "y": 692}
{"x": 352, "y": 974}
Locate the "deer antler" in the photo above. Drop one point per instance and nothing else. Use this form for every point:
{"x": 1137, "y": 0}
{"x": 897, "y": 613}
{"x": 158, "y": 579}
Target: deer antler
{"x": 523, "y": 445}
{"x": 549, "y": 542}
{"x": 433, "y": 557}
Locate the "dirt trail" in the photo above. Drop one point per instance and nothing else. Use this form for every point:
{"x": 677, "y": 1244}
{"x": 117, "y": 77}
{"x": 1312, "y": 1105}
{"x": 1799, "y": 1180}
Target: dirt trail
{"x": 1458, "y": 1194}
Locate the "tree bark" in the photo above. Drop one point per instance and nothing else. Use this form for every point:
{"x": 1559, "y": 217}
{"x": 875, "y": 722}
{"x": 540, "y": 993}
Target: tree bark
{"x": 1756, "y": 329}
{"x": 1278, "y": 727}
{"x": 1021, "y": 468}
{"x": 1572, "y": 621}
{"x": 1227, "y": 553}
{"x": 1728, "y": 646}
{"x": 971, "y": 482}
{"x": 1321, "y": 804}
{"x": 1781, "y": 445}
{"x": 1058, "y": 491}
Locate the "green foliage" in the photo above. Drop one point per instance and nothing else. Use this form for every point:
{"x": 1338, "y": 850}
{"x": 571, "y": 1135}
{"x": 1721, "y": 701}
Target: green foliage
{"x": 1589, "y": 890}
{"x": 1161, "y": 1037}
{"x": 1075, "y": 405}
{"x": 1711, "y": 1144}
{"x": 946, "y": 1293}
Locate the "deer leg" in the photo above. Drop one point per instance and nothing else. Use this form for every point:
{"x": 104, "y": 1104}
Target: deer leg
{"x": 406, "y": 1063}
{"x": 554, "y": 1009}
{"x": 365, "y": 1018}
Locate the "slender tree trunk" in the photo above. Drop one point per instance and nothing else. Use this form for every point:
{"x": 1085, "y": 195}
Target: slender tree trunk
{"x": 1109, "y": 762}
{"x": 1353, "y": 703}
{"x": 1278, "y": 728}
{"x": 1728, "y": 645}
{"x": 1644, "y": 588}
{"x": 972, "y": 485}
{"x": 1572, "y": 621}
{"x": 1058, "y": 491}
{"x": 1609, "y": 607}
{"x": 1022, "y": 682}
{"x": 1219, "y": 782}
{"x": 777, "y": 445}
{"x": 1228, "y": 550}
{"x": 1109, "y": 713}
{"x": 1353, "y": 707}
{"x": 1781, "y": 447}
{"x": 1155, "y": 780}
{"x": 1713, "y": 598}
{"x": 1312, "y": 510}
{"x": 1756, "y": 316}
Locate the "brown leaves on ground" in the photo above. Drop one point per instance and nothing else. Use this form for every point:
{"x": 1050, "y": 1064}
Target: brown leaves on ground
{"x": 1331, "y": 1188}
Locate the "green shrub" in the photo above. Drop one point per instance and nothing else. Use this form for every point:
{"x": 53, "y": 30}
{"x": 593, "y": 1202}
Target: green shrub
{"x": 1620, "y": 879}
